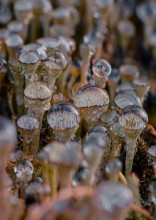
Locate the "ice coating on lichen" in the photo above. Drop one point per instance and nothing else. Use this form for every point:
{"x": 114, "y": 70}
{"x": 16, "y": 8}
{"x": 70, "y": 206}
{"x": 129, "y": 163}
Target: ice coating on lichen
{"x": 28, "y": 123}
{"x": 37, "y": 91}
{"x": 63, "y": 115}
{"x": 113, "y": 197}
{"x": 89, "y": 96}
{"x": 133, "y": 117}
{"x": 102, "y": 68}
{"x": 126, "y": 99}
{"x": 56, "y": 61}
{"x": 36, "y": 48}
{"x": 28, "y": 58}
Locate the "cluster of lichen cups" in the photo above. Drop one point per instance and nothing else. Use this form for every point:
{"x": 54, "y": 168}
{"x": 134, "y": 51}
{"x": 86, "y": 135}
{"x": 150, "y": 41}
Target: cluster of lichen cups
{"x": 64, "y": 162}
{"x": 84, "y": 124}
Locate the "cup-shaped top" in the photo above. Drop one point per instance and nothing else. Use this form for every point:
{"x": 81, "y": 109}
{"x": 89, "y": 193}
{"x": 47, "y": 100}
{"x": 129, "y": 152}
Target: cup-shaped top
{"x": 29, "y": 63}
{"x": 102, "y": 68}
{"x": 62, "y": 154}
{"x": 50, "y": 44}
{"x": 15, "y": 27}
{"x": 28, "y": 58}
{"x": 8, "y": 135}
{"x": 124, "y": 87}
{"x": 129, "y": 72}
{"x": 133, "y": 118}
{"x": 37, "y": 91}
{"x": 100, "y": 131}
{"x": 67, "y": 45}
{"x": 63, "y": 115}
{"x": 109, "y": 116}
{"x": 14, "y": 41}
{"x": 91, "y": 96}
{"x": 42, "y": 6}
{"x": 112, "y": 198}
{"x": 56, "y": 61}
{"x": 122, "y": 100}
{"x": 141, "y": 82}
{"x": 66, "y": 15}
{"x": 27, "y": 123}
{"x": 93, "y": 149}
{"x": 21, "y": 12}
{"x": 36, "y": 48}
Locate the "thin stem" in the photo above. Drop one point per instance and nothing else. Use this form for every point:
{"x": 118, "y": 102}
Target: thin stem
{"x": 53, "y": 180}
{"x": 116, "y": 148}
{"x": 130, "y": 152}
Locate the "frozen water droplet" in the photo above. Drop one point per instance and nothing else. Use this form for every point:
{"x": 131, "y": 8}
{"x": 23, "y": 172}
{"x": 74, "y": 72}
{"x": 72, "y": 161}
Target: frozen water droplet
{"x": 102, "y": 68}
